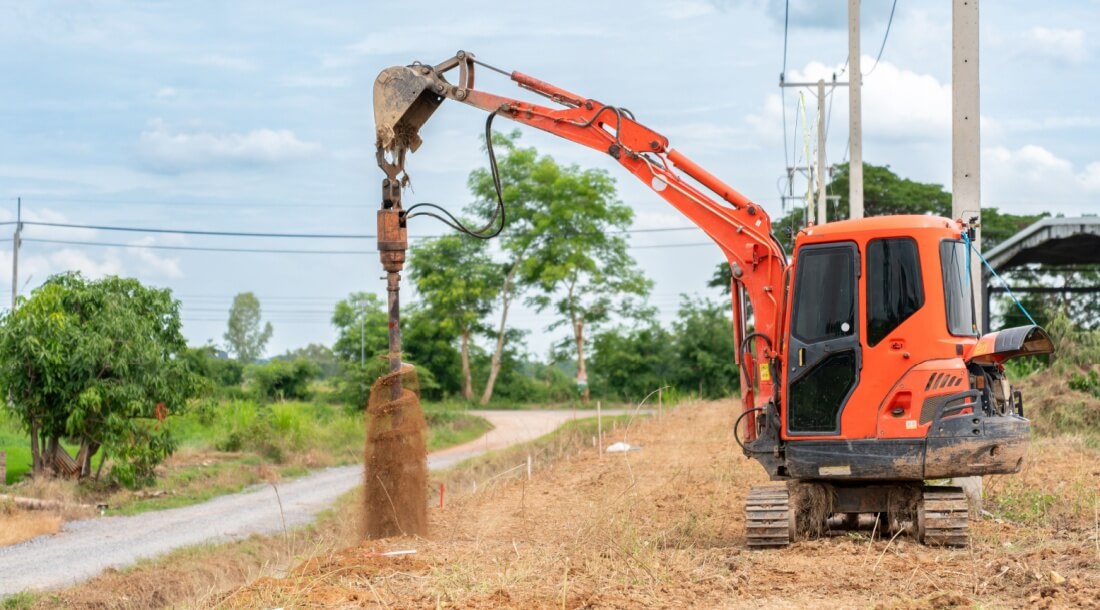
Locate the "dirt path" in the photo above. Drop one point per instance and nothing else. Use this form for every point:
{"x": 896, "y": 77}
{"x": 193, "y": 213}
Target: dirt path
{"x": 87, "y": 547}
{"x": 663, "y": 527}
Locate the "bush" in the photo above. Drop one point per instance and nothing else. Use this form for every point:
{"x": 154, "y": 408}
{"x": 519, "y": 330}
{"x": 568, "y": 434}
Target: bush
{"x": 355, "y": 381}
{"x": 282, "y": 380}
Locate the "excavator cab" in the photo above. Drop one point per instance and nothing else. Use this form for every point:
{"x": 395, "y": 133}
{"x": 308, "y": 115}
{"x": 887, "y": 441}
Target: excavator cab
{"x": 885, "y": 380}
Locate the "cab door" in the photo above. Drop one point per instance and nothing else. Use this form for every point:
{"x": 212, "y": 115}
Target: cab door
{"x": 824, "y": 353}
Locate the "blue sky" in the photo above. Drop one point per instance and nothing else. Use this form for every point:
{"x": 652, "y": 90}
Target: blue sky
{"x": 256, "y": 116}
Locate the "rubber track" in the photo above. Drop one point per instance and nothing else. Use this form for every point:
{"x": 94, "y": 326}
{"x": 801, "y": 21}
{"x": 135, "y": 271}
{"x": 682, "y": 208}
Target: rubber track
{"x": 944, "y": 518}
{"x": 768, "y": 517}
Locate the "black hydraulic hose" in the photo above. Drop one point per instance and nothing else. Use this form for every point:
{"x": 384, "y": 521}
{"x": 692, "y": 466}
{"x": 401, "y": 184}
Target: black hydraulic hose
{"x": 498, "y": 212}
{"x": 738, "y": 423}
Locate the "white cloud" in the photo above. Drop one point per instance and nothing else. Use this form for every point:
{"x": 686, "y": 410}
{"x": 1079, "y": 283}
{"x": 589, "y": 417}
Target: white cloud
{"x": 1058, "y": 45}
{"x": 166, "y": 92}
{"x": 151, "y": 263}
{"x": 898, "y": 104}
{"x": 166, "y": 149}
{"x": 1032, "y": 178}
{"x": 224, "y": 62}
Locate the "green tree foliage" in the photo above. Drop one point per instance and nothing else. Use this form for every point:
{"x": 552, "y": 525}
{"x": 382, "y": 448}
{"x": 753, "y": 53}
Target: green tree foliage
{"x": 283, "y": 379}
{"x": 559, "y": 241}
{"x": 221, "y": 372}
{"x": 458, "y": 282}
{"x": 362, "y": 343}
{"x": 696, "y": 356}
{"x": 245, "y": 336}
{"x": 99, "y": 362}
{"x": 704, "y": 351}
{"x": 362, "y": 327}
{"x": 884, "y": 193}
{"x": 320, "y": 355}
{"x": 632, "y": 362}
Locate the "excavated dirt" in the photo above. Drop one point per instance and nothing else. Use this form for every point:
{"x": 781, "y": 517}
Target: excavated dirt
{"x": 662, "y": 527}
{"x": 396, "y": 459}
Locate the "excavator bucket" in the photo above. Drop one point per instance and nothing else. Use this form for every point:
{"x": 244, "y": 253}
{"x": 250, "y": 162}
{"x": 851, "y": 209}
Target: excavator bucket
{"x": 403, "y": 102}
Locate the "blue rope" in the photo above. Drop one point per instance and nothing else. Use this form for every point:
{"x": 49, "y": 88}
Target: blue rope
{"x": 966, "y": 238}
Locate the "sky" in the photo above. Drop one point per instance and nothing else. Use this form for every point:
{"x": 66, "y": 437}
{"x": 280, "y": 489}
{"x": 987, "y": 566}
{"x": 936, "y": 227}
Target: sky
{"x": 256, "y": 117}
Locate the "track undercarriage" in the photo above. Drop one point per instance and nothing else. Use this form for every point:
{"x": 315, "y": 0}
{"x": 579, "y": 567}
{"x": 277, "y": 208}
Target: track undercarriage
{"x": 779, "y": 514}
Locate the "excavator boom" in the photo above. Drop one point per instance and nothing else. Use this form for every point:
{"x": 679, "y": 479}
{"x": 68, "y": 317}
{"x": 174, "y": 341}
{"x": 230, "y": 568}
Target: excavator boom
{"x": 406, "y": 96}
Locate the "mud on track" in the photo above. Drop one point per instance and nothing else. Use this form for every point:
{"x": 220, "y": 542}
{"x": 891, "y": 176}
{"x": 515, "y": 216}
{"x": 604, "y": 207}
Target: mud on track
{"x": 662, "y": 527}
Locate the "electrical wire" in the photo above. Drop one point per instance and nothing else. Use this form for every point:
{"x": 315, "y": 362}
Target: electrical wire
{"x": 884, "y": 37}
{"x": 452, "y": 221}
{"x": 196, "y": 232}
{"x": 193, "y": 248}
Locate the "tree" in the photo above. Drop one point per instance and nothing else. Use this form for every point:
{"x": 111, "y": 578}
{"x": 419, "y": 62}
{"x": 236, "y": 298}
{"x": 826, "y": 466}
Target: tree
{"x": 320, "y": 355}
{"x": 362, "y": 325}
{"x": 557, "y": 240}
{"x": 284, "y": 379}
{"x": 704, "y": 350}
{"x": 460, "y": 293}
{"x": 632, "y": 362}
{"x": 363, "y": 341}
{"x": 101, "y": 363}
{"x": 884, "y": 193}
{"x": 245, "y": 337}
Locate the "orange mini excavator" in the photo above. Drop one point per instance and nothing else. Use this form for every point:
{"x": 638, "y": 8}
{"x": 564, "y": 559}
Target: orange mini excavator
{"x": 863, "y": 375}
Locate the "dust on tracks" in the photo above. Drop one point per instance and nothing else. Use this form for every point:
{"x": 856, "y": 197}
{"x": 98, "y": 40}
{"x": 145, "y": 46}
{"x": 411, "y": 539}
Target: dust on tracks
{"x": 663, "y": 527}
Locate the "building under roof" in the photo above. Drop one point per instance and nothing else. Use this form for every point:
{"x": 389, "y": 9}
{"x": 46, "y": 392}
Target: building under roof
{"x": 1054, "y": 242}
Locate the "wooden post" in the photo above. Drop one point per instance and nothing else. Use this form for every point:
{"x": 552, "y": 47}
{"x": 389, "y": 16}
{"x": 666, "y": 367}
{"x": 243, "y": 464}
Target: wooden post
{"x": 599, "y": 427}
{"x": 3, "y": 468}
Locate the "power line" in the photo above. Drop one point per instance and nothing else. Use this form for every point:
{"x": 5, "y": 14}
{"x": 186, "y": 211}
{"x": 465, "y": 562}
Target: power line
{"x": 280, "y": 235}
{"x": 196, "y": 248}
{"x": 884, "y": 37}
{"x": 182, "y": 204}
{"x": 199, "y": 232}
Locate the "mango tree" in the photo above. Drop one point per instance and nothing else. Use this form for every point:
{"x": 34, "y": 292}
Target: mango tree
{"x": 100, "y": 364}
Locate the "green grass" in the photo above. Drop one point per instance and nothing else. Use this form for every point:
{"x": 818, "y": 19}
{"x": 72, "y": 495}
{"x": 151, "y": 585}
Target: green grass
{"x": 16, "y": 444}
{"x": 19, "y": 601}
{"x": 228, "y": 446}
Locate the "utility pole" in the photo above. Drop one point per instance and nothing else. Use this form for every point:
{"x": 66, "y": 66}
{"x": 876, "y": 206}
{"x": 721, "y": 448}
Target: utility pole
{"x": 855, "y": 116}
{"x": 362, "y": 331}
{"x": 822, "y": 217}
{"x": 819, "y": 167}
{"x": 15, "y": 242}
{"x": 966, "y": 195}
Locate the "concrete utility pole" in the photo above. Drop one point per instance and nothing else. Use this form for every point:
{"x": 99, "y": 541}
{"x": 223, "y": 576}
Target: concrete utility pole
{"x": 15, "y": 242}
{"x": 822, "y": 217}
{"x": 966, "y": 194}
{"x": 966, "y": 191}
{"x": 855, "y": 117}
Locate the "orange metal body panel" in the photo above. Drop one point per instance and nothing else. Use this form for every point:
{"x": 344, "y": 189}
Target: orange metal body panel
{"x": 919, "y": 346}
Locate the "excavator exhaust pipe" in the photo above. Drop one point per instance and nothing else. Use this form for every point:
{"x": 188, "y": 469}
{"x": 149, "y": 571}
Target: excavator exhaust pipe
{"x": 403, "y": 101}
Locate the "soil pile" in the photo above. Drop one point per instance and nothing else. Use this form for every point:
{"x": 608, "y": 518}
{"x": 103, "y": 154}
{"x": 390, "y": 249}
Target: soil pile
{"x": 396, "y": 462}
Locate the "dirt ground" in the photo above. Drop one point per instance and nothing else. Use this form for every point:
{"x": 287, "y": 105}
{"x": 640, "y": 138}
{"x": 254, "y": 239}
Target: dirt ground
{"x": 662, "y": 527}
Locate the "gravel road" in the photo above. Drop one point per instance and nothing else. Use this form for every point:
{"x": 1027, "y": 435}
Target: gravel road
{"x": 84, "y": 548}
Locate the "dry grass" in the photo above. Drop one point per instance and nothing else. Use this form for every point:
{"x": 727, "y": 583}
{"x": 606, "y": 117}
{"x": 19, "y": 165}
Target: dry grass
{"x": 662, "y": 527}
{"x": 19, "y": 526}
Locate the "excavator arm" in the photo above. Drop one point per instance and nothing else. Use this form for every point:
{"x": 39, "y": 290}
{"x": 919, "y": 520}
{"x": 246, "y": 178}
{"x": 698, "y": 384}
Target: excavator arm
{"x": 406, "y": 96}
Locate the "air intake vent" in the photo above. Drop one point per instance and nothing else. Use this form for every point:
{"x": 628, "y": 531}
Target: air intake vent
{"x": 938, "y": 381}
